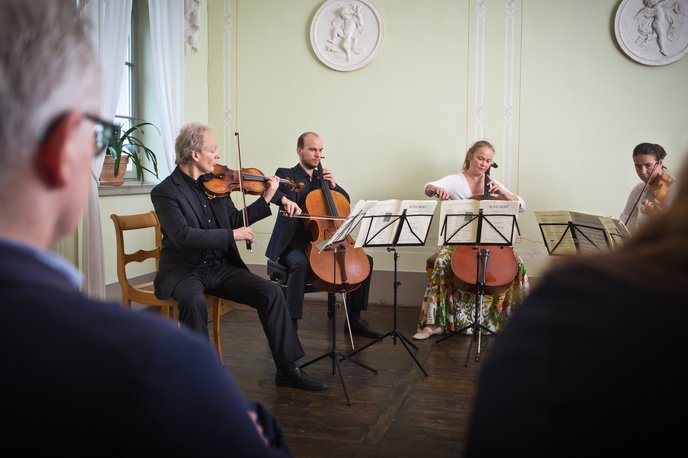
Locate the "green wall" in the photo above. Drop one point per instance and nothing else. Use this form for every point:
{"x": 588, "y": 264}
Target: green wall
{"x": 543, "y": 80}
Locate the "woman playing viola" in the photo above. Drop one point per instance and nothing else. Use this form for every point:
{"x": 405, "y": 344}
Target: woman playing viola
{"x": 446, "y": 307}
{"x": 655, "y": 191}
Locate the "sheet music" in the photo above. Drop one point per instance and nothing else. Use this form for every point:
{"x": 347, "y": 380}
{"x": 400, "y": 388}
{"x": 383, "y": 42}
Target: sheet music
{"x": 554, "y": 225}
{"x": 418, "y": 224}
{"x": 381, "y": 223}
{"x": 349, "y": 224}
{"x": 500, "y": 214}
{"x": 616, "y": 230}
{"x": 591, "y": 232}
{"x": 462, "y": 226}
{"x": 459, "y": 221}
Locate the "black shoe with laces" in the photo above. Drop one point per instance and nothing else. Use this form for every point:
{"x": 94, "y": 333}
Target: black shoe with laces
{"x": 297, "y": 378}
{"x": 359, "y": 327}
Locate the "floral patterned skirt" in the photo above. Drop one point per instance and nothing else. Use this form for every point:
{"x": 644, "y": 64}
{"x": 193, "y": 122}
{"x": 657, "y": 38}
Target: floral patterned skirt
{"x": 444, "y": 303}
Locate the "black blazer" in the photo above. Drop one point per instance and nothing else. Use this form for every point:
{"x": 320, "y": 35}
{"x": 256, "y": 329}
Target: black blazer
{"x": 186, "y": 240}
{"x": 285, "y": 227}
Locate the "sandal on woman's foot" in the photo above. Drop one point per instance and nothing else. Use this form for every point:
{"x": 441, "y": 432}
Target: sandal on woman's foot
{"x": 427, "y": 332}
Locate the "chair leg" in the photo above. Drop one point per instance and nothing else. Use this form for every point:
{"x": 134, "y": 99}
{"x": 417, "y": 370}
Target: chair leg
{"x": 217, "y": 310}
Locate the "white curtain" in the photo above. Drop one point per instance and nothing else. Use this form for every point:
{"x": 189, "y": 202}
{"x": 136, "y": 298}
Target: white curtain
{"x": 167, "y": 41}
{"x": 110, "y": 20}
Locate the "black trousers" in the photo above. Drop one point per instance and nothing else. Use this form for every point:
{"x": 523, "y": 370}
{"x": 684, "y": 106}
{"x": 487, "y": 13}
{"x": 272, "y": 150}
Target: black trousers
{"x": 296, "y": 262}
{"x": 240, "y": 285}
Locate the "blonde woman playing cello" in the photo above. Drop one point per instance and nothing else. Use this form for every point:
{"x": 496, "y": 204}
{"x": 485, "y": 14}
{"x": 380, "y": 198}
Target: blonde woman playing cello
{"x": 446, "y": 307}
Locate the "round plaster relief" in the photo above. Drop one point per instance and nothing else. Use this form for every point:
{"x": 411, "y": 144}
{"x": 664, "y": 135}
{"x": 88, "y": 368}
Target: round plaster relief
{"x": 653, "y": 32}
{"x": 347, "y": 34}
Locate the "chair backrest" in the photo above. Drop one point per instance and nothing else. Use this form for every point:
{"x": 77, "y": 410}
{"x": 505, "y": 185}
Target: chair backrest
{"x": 144, "y": 293}
{"x": 140, "y": 293}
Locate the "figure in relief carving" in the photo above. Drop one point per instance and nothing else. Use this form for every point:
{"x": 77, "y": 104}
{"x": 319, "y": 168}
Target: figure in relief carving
{"x": 656, "y": 23}
{"x": 347, "y": 22}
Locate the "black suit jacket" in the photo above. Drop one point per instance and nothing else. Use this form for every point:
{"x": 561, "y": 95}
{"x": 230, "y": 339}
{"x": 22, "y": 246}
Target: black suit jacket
{"x": 285, "y": 227}
{"x": 186, "y": 238}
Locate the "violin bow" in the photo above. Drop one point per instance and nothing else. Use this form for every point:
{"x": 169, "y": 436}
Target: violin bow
{"x": 241, "y": 190}
{"x": 642, "y": 193}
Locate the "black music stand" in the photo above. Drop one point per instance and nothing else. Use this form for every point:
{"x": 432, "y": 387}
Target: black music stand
{"x": 411, "y": 238}
{"x": 482, "y": 255}
{"x": 580, "y": 235}
{"x": 334, "y": 245}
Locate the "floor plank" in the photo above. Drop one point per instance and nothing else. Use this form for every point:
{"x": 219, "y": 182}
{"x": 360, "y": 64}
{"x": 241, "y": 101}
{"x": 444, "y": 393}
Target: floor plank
{"x": 397, "y": 412}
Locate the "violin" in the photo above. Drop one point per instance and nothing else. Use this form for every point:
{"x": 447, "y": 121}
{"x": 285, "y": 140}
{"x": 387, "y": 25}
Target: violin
{"x": 659, "y": 187}
{"x": 344, "y": 267}
{"x": 224, "y": 180}
{"x": 501, "y": 267}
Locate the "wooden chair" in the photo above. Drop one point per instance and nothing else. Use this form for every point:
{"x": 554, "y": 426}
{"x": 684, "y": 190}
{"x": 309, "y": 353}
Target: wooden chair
{"x": 143, "y": 293}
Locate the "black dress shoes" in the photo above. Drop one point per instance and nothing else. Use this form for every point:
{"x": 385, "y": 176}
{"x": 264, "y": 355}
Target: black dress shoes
{"x": 359, "y": 327}
{"x": 297, "y": 378}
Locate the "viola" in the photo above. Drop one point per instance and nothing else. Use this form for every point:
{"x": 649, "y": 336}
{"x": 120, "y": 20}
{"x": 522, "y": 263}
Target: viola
{"x": 342, "y": 267}
{"x": 225, "y": 180}
{"x": 501, "y": 266}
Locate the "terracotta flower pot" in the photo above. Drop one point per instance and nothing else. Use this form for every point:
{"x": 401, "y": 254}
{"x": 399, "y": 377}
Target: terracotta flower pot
{"x": 107, "y": 175}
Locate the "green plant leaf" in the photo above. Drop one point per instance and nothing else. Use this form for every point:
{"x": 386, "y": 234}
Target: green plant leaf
{"x": 126, "y": 141}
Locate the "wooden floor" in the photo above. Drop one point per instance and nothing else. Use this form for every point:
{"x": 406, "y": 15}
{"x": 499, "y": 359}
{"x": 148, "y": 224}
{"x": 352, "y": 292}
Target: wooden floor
{"x": 398, "y": 412}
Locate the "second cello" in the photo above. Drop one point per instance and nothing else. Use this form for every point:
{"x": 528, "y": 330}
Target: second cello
{"x": 342, "y": 267}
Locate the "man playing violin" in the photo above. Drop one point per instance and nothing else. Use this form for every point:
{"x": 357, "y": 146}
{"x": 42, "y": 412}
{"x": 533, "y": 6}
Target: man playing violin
{"x": 290, "y": 237}
{"x": 656, "y": 190}
{"x": 199, "y": 253}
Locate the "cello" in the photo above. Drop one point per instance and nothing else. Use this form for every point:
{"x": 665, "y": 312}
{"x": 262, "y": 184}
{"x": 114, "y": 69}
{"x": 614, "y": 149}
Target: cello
{"x": 344, "y": 267}
{"x": 501, "y": 266}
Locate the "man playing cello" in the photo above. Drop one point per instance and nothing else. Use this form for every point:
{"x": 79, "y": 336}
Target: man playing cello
{"x": 290, "y": 237}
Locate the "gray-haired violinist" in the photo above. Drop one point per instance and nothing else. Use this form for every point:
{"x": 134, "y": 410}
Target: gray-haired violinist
{"x": 199, "y": 253}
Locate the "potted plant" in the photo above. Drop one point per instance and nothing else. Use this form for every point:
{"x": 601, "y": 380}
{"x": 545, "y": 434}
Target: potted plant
{"x": 126, "y": 146}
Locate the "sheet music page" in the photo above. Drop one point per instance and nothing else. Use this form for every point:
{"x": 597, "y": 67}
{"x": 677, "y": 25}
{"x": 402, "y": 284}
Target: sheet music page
{"x": 461, "y": 218}
{"x": 621, "y": 228}
{"x": 349, "y": 224}
{"x": 616, "y": 230}
{"x": 590, "y": 232}
{"x": 381, "y": 222}
{"x": 611, "y": 230}
{"x": 381, "y": 227}
{"x": 419, "y": 216}
{"x": 500, "y": 214}
{"x": 554, "y": 224}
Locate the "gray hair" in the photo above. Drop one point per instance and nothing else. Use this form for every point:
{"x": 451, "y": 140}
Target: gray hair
{"x": 47, "y": 67}
{"x": 190, "y": 139}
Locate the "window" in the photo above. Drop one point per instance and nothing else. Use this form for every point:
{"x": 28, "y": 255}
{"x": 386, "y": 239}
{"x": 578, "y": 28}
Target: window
{"x": 127, "y": 105}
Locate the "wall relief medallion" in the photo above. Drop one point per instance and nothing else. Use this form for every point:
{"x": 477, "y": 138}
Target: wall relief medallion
{"x": 347, "y": 34}
{"x": 653, "y": 32}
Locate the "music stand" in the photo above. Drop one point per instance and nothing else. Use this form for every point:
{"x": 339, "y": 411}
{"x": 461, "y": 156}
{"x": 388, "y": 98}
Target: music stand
{"x": 574, "y": 238}
{"x": 483, "y": 234}
{"x": 409, "y": 238}
{"x": 335, "y": 244}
